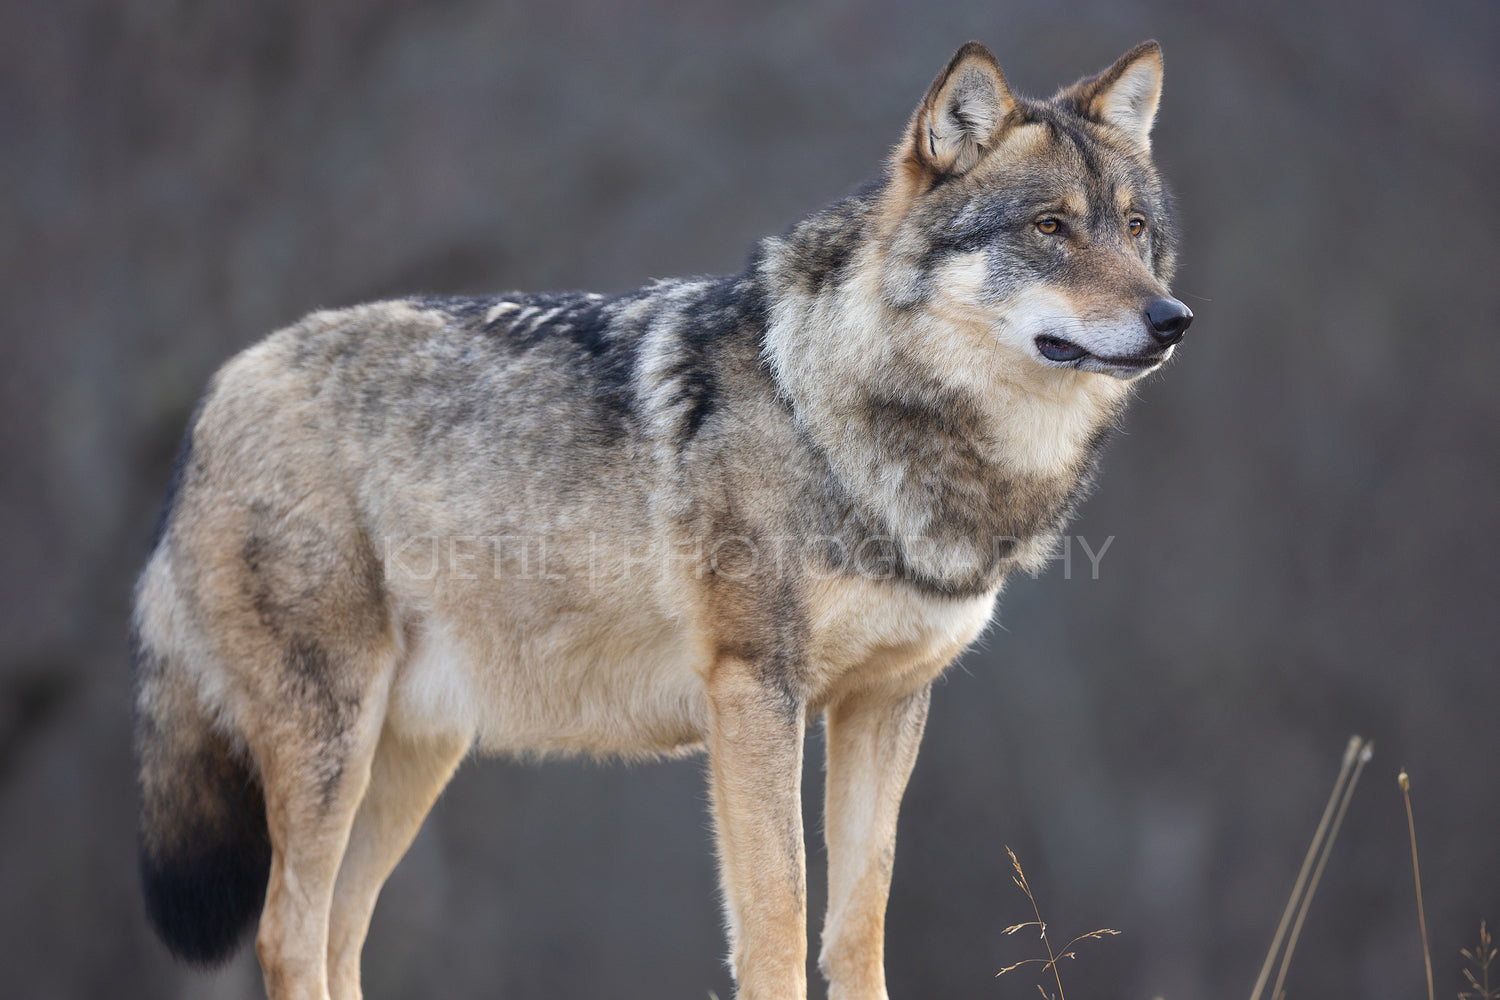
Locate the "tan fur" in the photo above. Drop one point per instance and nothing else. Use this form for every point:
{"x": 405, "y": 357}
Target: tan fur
{"x": 872, "y": 747}
{"x": 755, "y": 750}
{"x": 405, "y": 779}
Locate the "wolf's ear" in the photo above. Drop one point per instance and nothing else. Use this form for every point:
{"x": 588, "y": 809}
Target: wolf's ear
{"x": 1125, "y": 95}
{"x": 960, "y": 118}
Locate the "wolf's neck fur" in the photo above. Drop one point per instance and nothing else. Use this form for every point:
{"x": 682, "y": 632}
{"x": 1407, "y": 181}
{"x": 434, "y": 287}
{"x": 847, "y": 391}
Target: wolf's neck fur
{"x": 969, "y": 458}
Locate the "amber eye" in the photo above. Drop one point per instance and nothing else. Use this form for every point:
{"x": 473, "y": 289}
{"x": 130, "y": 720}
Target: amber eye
{"x": 1048, "y": 226}
{"x": 1137, "y": 227}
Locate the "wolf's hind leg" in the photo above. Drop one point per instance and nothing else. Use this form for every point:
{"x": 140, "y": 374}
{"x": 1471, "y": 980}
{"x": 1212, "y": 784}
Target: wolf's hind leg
{"x": 405, "y": 780}
{"x": 872, "y": 746}
{"x": 315, "y": 754}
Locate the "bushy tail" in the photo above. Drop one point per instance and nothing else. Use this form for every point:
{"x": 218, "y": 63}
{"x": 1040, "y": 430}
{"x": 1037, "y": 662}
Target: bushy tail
{"x": 205, "y": 848}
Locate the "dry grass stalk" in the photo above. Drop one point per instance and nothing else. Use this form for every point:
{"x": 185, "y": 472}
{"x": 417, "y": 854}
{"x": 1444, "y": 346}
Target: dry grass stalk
{"x": 1352, "y": 754}
{"x": 1366, "y": 752}
{"x": 1480, "y": 958}
{"x": 1050, "y": 962}
{"x": 1416, "y": 871}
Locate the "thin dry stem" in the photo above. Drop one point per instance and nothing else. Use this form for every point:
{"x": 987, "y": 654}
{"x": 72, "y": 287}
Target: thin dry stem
{"x": 1480, "y": 958}
{"x": 1350, "y": 754}
{"x": 1365, "y": 753}
{"x": 1050, "y": 962}
{"x": 1416, "y": 871}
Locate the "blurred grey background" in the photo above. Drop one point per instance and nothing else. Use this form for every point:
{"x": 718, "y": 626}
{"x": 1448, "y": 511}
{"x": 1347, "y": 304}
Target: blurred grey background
{"x": 1303, "y": 509}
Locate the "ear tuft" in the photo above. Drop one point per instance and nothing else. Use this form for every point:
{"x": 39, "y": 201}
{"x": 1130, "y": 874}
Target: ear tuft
{"x": 960, "y": 118}
{"x": 1125, "y": 95}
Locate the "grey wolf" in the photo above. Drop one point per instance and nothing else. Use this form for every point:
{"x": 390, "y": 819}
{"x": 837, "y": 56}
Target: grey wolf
{"x": 699, "y": 516}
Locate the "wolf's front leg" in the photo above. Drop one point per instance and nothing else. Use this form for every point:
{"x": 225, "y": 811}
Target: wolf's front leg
{"x": 872, "y": 745}
{"x": 755, "y": 748}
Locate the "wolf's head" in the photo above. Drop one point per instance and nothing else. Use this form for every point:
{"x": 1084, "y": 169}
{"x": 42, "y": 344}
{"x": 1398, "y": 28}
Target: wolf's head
{"x": 1041, "y": 220}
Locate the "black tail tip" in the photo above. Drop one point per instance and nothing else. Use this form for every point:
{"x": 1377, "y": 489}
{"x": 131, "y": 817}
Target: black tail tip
{"x": 203, "y": 905}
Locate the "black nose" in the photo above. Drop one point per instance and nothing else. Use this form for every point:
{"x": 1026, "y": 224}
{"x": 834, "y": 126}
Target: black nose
{"x": 1168, "y": 320}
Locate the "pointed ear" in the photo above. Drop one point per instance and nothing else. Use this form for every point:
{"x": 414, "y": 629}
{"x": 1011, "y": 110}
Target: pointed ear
{"x": 1125, "y": 95}
{"x": 960, "y": 118}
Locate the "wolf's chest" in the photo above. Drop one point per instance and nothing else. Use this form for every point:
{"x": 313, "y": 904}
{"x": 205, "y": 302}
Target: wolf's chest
{"x": 866, "y": 632}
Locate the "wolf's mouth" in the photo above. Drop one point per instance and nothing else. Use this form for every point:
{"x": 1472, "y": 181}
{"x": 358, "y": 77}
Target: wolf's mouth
{"x": 1065, "y": 352}
{"x": 1057, "y": 349}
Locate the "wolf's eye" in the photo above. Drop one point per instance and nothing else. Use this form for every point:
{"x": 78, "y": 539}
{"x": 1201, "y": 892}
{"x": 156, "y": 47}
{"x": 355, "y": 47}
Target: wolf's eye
{"x": 1137, "y": 227}
{"x": 1048, "y": 226}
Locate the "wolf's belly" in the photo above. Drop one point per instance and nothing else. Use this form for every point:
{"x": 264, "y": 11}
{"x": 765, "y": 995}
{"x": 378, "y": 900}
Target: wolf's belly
{"x": 571, "y": 686}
